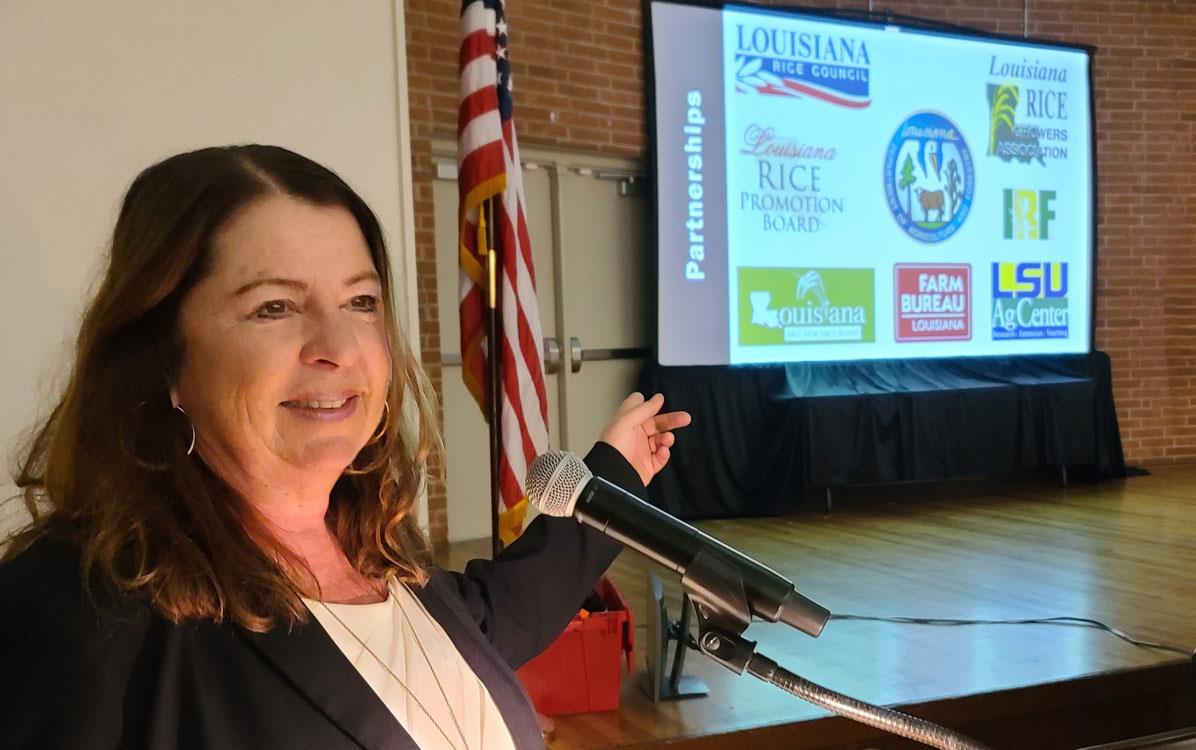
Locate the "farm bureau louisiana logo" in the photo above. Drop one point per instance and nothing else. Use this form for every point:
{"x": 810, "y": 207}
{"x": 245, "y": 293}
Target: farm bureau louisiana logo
{"x": 806, "y": 306}
{"x": 929, "y": 177}
{"x": 780, "y": 62}
{"x": 933, "y": 302}
{"x": 1029, "y": 301}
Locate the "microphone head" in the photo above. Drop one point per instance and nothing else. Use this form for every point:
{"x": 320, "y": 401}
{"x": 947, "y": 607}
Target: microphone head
{"x": 554, "y": 482}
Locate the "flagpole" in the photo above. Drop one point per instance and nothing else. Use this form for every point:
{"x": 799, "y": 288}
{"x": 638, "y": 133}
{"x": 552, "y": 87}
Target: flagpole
{"x": 494, "y": 374}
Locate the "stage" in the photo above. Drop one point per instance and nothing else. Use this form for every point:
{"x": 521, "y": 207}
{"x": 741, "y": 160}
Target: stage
{"x": 1122, "y": 552}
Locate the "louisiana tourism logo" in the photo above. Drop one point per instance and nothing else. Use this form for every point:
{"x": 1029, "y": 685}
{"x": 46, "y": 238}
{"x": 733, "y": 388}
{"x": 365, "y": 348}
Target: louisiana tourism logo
{"x": 929, "y": 177}
{"x": 1029, "y": 301}
{"x": 806, "y": 306}
{"x": 779, "y": 62}
{"x": 933, "y": 302}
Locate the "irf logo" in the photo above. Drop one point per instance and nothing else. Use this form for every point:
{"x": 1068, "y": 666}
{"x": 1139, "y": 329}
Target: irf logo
{"x": 1028, "y": 214}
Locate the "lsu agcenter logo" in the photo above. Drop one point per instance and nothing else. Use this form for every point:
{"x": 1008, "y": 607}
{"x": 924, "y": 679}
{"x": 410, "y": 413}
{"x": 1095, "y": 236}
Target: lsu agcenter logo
{"x": 1029, "y": 301}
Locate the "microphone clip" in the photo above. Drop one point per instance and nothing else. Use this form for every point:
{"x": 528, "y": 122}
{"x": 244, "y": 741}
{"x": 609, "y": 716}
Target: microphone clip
{"x": 716, "y": 589}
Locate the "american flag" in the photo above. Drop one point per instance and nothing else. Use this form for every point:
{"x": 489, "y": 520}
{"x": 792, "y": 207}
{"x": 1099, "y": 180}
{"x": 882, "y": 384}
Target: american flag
{"x": 488, "y": 167}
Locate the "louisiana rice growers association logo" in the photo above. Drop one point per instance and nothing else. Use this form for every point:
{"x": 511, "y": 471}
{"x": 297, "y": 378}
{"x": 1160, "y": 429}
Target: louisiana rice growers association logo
{"x": 929, "y": 177}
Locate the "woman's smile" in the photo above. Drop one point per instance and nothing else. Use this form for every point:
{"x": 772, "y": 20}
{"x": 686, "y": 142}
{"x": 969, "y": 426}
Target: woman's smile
{"x": 323, "y": 409}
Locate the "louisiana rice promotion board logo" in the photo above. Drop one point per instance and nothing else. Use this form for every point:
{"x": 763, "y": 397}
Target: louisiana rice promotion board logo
{"x": 806, "y": 306}
{"x": 929, "y": 177}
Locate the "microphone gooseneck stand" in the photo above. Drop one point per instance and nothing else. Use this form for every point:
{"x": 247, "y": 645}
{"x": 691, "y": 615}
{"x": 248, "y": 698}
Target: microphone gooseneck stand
{"x": 717, "y": 592}
{"x": 894, "y": 722}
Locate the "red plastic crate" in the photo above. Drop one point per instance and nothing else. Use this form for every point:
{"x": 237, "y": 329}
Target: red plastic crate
{"x": 579, "y": 672}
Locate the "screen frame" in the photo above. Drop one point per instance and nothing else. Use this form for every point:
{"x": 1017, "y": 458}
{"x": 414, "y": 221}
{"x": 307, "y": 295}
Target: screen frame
{"x": 873, "y": 19}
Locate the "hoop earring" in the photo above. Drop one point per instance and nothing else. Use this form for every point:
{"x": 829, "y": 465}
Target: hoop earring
{"x": 385, "y": 424}
{"x": 350, "y": 470}
{"x": 190, "y": 448}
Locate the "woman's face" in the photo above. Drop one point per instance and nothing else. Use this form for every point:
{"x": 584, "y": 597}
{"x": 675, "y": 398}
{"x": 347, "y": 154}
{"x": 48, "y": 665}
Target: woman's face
{"x": 285, "y": 364}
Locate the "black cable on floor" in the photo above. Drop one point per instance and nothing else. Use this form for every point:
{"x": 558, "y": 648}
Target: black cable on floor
{"x": 1075, "y": 622}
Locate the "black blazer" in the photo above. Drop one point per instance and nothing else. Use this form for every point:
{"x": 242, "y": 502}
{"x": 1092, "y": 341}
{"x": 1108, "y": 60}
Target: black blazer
{"x": 103, "y": 671}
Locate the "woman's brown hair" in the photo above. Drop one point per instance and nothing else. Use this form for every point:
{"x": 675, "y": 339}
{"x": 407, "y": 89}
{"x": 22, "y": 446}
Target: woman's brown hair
{"x": 108, "y": 470}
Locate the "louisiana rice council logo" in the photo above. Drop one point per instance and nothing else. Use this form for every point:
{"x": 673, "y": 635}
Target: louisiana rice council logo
{"x": 929, "y": 177}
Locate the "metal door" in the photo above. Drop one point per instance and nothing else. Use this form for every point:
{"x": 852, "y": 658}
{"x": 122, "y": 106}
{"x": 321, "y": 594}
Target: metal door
{"x": 586, "y": 217}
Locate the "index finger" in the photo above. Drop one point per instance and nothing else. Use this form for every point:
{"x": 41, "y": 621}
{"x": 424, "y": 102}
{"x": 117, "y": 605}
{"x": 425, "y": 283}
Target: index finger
{"x": 644, "y": 411}
{"x": 634, "y": 399}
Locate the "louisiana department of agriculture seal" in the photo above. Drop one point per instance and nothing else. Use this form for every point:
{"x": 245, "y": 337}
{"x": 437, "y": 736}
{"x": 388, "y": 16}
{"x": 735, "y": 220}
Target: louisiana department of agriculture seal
{"x": 929, "y": 177}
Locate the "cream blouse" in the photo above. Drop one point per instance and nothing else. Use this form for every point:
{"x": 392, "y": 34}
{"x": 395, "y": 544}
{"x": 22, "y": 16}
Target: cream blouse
{"x": 394, "y": 630}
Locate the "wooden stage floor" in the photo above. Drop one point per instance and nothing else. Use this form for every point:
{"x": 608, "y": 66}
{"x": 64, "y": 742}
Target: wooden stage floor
{"x": 1122, "y": 552}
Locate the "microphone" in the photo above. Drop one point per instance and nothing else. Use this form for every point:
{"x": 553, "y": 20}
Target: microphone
{"x": 559, "y": 484}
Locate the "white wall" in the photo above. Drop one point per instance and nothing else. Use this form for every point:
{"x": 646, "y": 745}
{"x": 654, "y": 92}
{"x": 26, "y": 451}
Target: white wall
{"x": 92, "y": 92}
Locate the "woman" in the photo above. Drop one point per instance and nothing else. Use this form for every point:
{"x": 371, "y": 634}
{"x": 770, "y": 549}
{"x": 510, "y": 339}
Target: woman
{"x": 223, "y": 552}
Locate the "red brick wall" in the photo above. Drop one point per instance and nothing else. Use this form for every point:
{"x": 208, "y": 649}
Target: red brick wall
{"x": 577, "y": 69}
